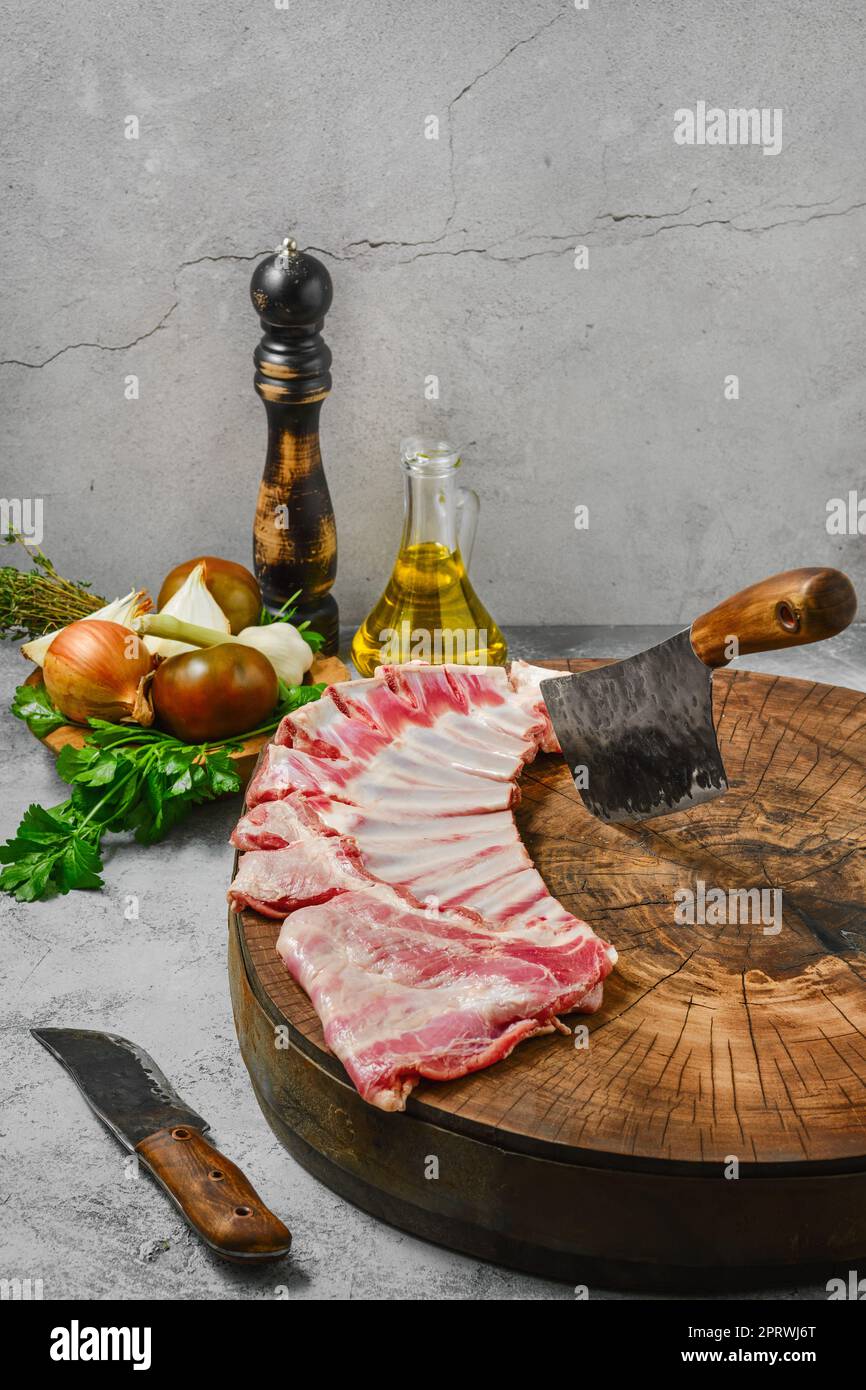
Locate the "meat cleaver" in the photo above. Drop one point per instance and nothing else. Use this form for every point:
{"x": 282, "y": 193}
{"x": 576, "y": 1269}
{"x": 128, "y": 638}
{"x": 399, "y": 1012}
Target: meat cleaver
{"x": 639, "y": 736}
{"x": 129, "y": 1093}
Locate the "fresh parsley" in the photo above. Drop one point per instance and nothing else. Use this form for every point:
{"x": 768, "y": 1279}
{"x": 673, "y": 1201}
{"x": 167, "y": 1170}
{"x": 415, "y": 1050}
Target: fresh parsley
{"x": 315, "y": 640}
{"x": 125, "y": 778}
{"x": 33, "y": 704}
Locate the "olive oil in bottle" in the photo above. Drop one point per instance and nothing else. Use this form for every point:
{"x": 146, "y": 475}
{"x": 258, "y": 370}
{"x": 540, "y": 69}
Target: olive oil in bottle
{"x": 429, "y": 610}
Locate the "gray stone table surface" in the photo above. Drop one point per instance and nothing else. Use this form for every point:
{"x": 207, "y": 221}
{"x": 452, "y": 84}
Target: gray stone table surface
{"x": 74, "y": 1215}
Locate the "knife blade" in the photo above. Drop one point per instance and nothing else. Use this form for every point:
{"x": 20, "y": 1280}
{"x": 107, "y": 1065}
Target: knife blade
{"x": 123, "y": 1085}
{"x": 639, "y": 737}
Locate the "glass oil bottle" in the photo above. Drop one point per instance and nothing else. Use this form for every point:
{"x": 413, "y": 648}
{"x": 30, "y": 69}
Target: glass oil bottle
{"x": 429, "y": 610}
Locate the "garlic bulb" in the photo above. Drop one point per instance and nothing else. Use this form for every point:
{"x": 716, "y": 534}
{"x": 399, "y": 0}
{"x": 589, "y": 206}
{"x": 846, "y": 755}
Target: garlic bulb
{"x": 121, "y": 610}
{"x": 193, "y": 603}
{"x": 281, "y": 643}
{"x": 284, "y": 647}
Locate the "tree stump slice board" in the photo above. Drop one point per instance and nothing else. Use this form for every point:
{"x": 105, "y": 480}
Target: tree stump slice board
{"x": 712, "y": 1132}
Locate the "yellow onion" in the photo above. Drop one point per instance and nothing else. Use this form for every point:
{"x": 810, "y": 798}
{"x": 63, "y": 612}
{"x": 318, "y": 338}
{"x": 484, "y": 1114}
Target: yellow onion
{"x": 96, "y": 670}
{"x": 120, "y": 611}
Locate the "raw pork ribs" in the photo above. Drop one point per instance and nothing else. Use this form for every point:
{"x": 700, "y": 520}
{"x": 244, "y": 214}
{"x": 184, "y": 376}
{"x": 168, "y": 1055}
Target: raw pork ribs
{"x": 378, "y": 825}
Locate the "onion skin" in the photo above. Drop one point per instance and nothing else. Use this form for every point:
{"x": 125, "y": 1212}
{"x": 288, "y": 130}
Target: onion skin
{"x": 235, "y": 589}
{"x": 93, "y": 670}
{"x": 215, "y": 693}
{"x": 122, "y": 610}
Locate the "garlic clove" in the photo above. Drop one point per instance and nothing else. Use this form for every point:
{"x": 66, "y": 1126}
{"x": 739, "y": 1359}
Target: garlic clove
{"x": 192, "y": 603}
{"x": 120, "y": 610}
{"x": 284, "y": 647}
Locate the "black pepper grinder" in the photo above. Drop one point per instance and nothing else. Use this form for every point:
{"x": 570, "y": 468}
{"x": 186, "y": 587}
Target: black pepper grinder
{"x": 294, "y": 536}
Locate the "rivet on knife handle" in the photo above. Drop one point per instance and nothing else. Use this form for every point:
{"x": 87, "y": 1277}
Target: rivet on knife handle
{"x": 214, "y": 1195}
{"x": 786, "y": 610}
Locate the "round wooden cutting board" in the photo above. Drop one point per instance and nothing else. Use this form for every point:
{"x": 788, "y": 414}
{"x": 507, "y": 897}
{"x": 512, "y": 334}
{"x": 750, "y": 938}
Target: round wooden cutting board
{"x": 711, "y": 1132}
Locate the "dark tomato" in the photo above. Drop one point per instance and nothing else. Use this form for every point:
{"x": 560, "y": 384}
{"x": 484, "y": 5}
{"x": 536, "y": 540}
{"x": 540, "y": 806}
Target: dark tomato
{"x": 214, "y": 692}
{"x": 234, "y": 588}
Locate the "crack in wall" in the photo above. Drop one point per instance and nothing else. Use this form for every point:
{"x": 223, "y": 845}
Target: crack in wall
{"x": 559, "y": 244}
{"x": 645, "y": 216}
{"x": 521, "y": 43}
{"x": 760, "y": 228}
{"x": 593, "y": 236}
{"x": 125, "y": 347}
{"x": 226, "y": 256}
{"x": 100, "y": 347}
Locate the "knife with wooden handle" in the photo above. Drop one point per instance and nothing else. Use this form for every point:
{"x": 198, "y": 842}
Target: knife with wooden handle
{"x": 129, "y": 1093}
{"x": 639, "y": 736}
{"x": 786, "y": 610}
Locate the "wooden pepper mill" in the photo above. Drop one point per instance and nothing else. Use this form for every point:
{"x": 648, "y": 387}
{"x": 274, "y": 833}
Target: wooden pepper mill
{"x": 294, "y": 537}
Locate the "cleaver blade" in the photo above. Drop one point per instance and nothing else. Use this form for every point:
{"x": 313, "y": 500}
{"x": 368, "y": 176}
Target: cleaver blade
{"x": 639, "y": 736}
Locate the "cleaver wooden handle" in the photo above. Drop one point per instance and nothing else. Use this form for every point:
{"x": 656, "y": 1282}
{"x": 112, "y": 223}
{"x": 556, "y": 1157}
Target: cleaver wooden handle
{"x": 786, "y": 610}
{"x": 213, "y": 1194}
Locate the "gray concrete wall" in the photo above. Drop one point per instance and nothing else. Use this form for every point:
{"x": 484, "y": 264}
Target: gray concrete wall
{"x": 455, "y": 257}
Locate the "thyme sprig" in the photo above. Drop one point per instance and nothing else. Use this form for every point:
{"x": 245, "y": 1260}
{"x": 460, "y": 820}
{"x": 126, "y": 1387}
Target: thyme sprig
{"x": 40, "y": 600}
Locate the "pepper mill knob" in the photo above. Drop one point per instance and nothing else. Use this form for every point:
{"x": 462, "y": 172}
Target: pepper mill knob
{"x": 291, "y": 289}
{"x": 294, "y": 536}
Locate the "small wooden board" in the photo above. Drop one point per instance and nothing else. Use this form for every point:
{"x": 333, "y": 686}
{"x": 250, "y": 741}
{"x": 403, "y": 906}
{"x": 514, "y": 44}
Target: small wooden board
{"x": 324, "y": 668}
{"x": 713, "y": 1130}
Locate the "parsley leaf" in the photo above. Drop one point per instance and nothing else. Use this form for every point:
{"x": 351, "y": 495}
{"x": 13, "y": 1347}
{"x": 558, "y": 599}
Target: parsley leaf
{"x": 294, "y": 696}
{"x": 125, "y": 778}
{"x": 32, "y": 703}
{"x": 52, "y": 850}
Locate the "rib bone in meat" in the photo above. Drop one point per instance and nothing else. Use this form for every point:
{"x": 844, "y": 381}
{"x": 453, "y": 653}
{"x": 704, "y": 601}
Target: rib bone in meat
{"x": 379, "y": 827}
